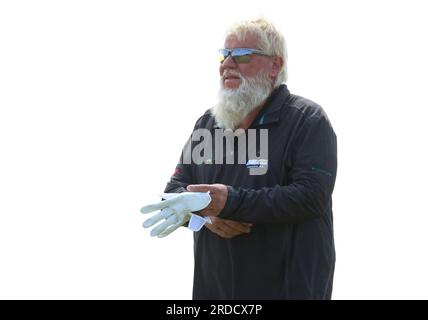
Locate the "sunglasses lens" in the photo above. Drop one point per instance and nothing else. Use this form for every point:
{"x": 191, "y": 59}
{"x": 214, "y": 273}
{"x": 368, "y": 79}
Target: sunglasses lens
{"x": 239, "y": 55}
{"x": 223, "y": 53}
{"x": 246, "y": 58}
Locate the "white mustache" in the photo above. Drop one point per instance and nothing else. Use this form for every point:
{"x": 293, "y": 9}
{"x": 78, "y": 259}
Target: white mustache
{"x": 231, "y": 74}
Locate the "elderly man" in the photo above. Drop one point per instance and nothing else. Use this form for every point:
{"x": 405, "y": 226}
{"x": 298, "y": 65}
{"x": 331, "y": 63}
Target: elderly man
{"x": 271, "y": 235}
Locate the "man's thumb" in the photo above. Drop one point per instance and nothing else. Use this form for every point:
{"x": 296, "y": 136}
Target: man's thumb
{"x": 199, "y": 187}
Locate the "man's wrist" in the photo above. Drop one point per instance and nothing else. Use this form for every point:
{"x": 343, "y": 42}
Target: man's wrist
{"x": 230, "y": 205}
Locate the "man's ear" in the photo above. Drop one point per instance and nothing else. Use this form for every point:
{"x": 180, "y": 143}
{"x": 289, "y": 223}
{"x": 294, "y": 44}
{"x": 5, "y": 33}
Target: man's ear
{"x": 277, "y": 64}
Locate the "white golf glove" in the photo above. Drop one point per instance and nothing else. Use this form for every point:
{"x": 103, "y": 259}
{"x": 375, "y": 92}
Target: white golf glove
{"x": 176, "y": 210}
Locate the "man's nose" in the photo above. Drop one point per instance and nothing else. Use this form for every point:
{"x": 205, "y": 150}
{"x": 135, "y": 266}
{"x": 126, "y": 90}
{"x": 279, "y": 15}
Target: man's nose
{"x": 228, "y": 63}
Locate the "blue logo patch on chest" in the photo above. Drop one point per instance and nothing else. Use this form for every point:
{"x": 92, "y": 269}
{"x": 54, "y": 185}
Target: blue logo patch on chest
{"x": 257, "y": 163}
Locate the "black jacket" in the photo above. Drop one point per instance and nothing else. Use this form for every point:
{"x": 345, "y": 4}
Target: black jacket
{"x": 289, "y": 253}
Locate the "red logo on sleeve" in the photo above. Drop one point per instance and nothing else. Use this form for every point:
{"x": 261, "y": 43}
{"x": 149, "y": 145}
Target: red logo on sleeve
{"x": 176, "y": 171}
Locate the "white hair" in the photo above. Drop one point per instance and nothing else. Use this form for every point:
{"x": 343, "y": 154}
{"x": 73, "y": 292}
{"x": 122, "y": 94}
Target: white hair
{"x": 269, "y": 40}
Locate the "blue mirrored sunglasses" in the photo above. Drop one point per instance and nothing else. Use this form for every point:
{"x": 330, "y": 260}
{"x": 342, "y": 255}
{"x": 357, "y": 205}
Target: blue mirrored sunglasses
{"x": 240, "y": 55}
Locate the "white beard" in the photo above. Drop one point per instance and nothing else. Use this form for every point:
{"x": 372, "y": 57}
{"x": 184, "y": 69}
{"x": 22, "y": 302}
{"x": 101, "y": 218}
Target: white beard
{"x": 235, "y": 104}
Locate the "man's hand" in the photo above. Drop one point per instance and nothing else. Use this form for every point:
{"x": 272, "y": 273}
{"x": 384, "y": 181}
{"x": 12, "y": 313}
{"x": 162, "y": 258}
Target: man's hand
{"x": 228, "y": 228}
{"x": 218, "y": 193}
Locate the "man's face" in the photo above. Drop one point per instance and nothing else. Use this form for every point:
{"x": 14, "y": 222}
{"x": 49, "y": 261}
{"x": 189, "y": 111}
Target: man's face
{"x": 257, "y": 64}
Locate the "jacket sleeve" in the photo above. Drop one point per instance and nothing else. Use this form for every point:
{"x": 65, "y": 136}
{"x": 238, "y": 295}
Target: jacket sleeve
{"x": 182, "y": 175}
{"x": 311, "y": 177}
{"x": 181, "y": 178}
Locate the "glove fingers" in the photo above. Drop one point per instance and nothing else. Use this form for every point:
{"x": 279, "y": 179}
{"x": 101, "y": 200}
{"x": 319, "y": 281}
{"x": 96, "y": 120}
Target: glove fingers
{"x": 160, "y": 228}
{"x": 173, "y": 227}
{"x": 164, "y": 214}
{"x": 152, "y": 207}
{"x": 158, "y": 206}
{"x": 169, "y": 230}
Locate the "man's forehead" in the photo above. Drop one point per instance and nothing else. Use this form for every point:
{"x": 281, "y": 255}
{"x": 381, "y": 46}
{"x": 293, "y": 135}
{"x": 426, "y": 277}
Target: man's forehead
{"x": 249, "y": 41}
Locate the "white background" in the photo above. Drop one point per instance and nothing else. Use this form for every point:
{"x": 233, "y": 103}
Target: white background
{"x": 98, "y": 97}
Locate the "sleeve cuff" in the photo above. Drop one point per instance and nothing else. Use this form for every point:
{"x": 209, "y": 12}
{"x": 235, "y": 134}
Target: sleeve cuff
{"x": 232, "y": 203}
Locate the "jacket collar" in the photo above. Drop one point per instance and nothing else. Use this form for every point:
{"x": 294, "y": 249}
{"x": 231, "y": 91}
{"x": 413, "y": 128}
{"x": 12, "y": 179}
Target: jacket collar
{"x": 271, "y": 111}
